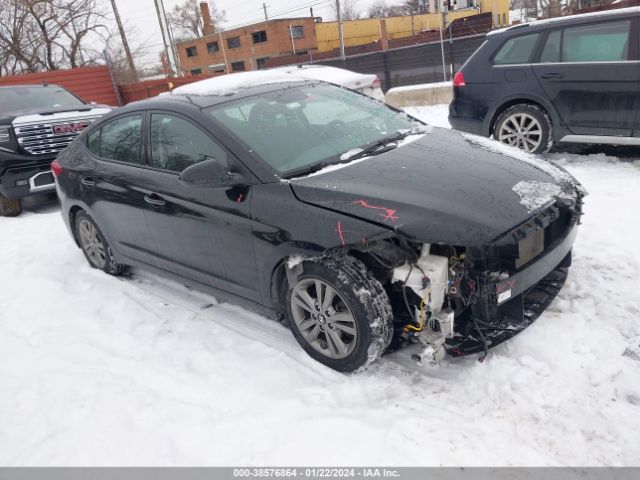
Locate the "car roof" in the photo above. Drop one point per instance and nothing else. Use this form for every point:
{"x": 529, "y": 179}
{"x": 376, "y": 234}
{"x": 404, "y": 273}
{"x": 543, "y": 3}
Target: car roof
{"x": 327, "y": 73}
{"x": 204, "y": 100}
{"x": 8, "y": 87}
{"x": 567, "y": 20}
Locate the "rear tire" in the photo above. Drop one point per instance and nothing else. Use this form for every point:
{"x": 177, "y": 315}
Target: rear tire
{"x": 525, "y": 126}
{"x": 339, "y": 313}
{"x": 10, "y": 207}
{"x": 95, "y": 246}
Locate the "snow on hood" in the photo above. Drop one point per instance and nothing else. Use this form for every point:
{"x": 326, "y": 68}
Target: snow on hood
{"x": 536, "y": 195}
{"x": 559, "y": 174}
{"x": 234, "y": 82}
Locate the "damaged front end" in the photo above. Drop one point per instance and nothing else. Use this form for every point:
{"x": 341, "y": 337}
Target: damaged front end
{"x": 464, "y": 300}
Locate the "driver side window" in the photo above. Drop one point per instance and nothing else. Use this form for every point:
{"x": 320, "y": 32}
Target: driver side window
{"x": 176, "y": 144}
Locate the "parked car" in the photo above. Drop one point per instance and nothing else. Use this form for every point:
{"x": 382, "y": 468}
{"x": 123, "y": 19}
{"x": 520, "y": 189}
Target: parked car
{"x": 359, "y": 225}
{"x": 366, "y": 83}
{"x": 570, "y": 79}
{"x": 37, "y": 122}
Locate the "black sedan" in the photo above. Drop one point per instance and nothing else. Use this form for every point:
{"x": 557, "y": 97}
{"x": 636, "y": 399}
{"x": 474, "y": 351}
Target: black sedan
{"x": 361, "y": 227}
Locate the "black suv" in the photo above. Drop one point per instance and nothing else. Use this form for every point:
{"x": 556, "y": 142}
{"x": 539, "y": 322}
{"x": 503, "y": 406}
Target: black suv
{"x": 572, "y": 79}
{"x": 36, "y": 123}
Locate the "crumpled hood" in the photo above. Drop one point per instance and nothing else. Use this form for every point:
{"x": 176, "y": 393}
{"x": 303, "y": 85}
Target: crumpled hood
{"x": 445, "y": 187}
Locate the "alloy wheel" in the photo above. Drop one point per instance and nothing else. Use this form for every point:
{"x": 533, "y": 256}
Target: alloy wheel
{"x": 91, "y": 243}
{"x": 323, "y": 318}
{"x": 521, "y": 130}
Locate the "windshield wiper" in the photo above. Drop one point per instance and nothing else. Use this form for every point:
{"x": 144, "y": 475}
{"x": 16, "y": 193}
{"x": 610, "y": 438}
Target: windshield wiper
{"x": 389, "y": 142}
{"x": 307, "y": 170}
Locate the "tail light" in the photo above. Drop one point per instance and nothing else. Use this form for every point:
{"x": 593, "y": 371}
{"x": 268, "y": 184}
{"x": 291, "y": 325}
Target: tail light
{"x": 56, "y": 168}
{"x": 376, "y": 83}
{"x": 458, "y": 80}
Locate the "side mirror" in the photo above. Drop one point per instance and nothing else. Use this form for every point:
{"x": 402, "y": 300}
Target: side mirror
{"x": 211, "y": 173}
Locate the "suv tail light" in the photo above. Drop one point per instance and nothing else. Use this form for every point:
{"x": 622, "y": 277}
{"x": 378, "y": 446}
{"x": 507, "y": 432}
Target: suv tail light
{"x": 56, "y": 168}
{"x": 458, "y": 80}
{"x": 376, "y": 83}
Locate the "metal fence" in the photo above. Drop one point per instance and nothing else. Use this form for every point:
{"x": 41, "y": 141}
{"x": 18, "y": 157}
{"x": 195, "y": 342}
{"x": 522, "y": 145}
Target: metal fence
{"x": 412, "y": 65}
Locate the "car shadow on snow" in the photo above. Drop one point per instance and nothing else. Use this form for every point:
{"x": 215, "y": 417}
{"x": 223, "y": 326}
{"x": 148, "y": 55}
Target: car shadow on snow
{"x": 42, "y": 203}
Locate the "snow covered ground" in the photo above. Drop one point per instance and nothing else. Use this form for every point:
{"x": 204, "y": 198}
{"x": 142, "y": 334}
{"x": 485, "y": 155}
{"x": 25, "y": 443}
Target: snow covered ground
{"x": 96, "y": 370}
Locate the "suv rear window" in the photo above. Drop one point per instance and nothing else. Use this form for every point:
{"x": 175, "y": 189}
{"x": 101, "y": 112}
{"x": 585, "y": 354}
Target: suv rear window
{"x": 516, "y": 50}
{"x": 604, "y": 42}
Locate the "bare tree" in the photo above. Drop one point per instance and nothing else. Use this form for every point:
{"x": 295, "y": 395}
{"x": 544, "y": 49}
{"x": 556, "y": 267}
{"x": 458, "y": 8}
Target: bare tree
{"x": 378, "y": 9}
{"x": 349, "y": 10}
{"x": 186, "y": 21}
{"x": 40, "y": 35}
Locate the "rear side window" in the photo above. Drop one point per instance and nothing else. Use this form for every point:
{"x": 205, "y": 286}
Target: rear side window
{"x": 177, "y": 144}
{"x": 516, "y": 50}
{"x": 119, "y": 139}
{"x": 604, "y": 42}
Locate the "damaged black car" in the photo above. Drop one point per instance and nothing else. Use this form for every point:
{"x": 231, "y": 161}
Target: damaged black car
{"x": 361, "y": 227}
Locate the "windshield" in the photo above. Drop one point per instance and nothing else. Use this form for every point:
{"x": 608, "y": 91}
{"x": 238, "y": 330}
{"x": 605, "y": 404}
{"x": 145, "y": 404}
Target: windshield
{"x": 36, "y": 98}
{"x": 309, "y": 125}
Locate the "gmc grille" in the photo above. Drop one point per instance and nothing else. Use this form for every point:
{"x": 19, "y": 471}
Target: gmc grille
{"x": 52, "y": 137}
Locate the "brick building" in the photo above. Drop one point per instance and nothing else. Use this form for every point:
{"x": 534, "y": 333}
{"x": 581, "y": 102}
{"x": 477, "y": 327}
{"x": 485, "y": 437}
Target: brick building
{"x": 245, "y": 48}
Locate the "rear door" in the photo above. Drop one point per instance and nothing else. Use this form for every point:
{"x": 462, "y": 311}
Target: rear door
{"x": 203, "y": 233}
{"x": 110, "y": 187}
{"x": 590, "y": 74}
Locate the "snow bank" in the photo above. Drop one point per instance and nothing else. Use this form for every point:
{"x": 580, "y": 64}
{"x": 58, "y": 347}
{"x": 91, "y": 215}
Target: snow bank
{"x": 421, "y": 86}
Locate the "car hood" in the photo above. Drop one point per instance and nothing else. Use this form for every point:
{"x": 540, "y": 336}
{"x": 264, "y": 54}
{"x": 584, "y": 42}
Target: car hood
{"x": 444, "y": 187}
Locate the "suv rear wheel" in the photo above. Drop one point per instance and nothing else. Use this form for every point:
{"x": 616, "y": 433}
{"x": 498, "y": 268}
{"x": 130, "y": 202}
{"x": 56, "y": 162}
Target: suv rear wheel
{"x": 10, "y": 208}
{"x": 94, "y": 246}
{"x": 526, "y": 127}
{"x": 339, "y": 313}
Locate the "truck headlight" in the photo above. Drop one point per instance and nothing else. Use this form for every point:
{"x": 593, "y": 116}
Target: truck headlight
{"x": 5, "y": 134}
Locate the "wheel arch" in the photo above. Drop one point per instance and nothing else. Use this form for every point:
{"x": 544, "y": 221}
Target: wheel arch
{"x": 523, "y": 100}
{"x": 73, "y": 213}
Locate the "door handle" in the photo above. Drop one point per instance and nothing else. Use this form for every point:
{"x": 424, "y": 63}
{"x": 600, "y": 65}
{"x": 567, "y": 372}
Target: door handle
{"x": 88, "y": 182}
{"x": 154, "y": 199}
{"x": 553, "y": 76}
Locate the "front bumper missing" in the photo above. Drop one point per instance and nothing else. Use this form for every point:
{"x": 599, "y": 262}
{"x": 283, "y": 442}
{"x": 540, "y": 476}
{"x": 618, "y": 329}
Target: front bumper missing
{"x": 507, "y": 307}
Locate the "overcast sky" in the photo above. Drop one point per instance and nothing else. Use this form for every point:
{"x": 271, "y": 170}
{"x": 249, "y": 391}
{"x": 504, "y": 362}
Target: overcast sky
{"x": 141, "y": 14}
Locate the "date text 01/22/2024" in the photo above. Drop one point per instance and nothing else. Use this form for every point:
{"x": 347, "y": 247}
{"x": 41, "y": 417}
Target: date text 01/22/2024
{"x": 315, "y": 473}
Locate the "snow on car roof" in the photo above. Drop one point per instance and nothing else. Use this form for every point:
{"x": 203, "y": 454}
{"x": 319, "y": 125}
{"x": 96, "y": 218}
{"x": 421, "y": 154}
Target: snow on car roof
{"x": 234, "y": 82}
{"x": 329, "y": 74}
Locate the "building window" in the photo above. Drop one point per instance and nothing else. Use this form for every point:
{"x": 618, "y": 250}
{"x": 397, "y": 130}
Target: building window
{"x": 261, "y": 63}
{"x": 297, "y": 31}
{"x": 259, "y": 37}
{"x": 216, "y": 68}
{"x": 237, "y": 67}
{"x": 233, "y": 42}
{"x": 192, "y": 51}
{"x": 213, "y": 47}
{"x": 196, "y": 71}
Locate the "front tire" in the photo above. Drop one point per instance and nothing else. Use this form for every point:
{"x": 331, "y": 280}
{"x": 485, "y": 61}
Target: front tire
{"x": 524, "y": 126}
{"x": 10, "y": 207}
{"x": 95, "y": 246}
{"x": 339, "y": 313}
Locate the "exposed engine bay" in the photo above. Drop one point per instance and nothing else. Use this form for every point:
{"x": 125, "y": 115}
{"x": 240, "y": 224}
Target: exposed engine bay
{"x": 464, "y": 300}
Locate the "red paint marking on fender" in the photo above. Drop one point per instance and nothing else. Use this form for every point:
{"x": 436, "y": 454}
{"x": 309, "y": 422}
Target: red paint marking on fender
{"x": 387, "y": 213}
{"x": 340, "y": 233}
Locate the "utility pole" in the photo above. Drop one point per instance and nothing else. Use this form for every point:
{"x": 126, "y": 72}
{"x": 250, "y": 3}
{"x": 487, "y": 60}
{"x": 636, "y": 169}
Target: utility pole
{"x": 441, "y": 27}
{"x": 311, "y": 10}
{"x": 164, "y": 38}
{"x": 264, "y": 7}
{"x": 340, "y": 30}
{"x": 125, "y": 44}
{"x": 172, "y": 45}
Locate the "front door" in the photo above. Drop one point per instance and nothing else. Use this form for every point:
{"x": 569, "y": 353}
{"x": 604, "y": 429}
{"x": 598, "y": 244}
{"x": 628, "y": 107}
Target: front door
{"x": 590, "y": 74}
{"x": 203, "y": 233}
